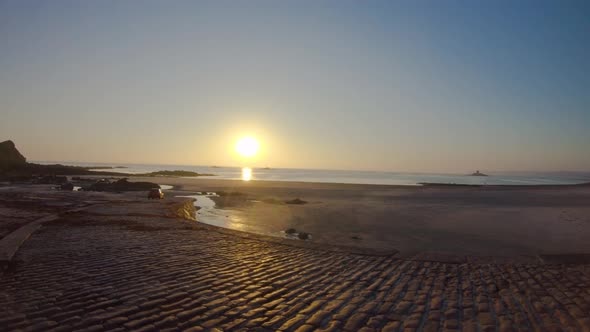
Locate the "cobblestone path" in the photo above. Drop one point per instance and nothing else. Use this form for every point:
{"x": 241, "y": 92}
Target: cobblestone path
{"x": 94, "y": 273}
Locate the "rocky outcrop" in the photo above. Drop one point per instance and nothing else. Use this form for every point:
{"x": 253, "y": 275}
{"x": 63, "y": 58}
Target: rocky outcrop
{"x": 14, "y": 167}
{"x": 10, "y": 157}
{"x": 121, "y": 185}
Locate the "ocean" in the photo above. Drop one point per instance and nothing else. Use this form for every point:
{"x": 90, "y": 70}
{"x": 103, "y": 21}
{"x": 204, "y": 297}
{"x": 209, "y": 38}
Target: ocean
{"x": 357, "y": 177}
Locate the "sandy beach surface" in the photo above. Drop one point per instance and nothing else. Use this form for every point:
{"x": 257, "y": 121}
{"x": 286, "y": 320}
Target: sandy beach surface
{"x": 517, "y": 222}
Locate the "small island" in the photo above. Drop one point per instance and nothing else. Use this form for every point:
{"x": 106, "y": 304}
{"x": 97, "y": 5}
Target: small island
{"x": 176, "y": 173}
{"x": 478, "y": 173}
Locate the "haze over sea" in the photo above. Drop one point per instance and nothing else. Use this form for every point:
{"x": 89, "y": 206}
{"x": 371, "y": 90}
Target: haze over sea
{"x": 356, "y": 177}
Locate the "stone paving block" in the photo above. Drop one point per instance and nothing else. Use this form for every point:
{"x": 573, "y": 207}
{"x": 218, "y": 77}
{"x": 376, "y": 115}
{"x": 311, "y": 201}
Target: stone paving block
{"x": 292, "y": 323}
{"x": 391, "y": 327}
{"x": 355, "y": 322}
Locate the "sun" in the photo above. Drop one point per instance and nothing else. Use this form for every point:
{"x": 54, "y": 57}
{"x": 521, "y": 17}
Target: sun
{"x": 247, "y": 146}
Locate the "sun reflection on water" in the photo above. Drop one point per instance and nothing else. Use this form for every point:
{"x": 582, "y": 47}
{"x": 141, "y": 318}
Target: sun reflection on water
{"x": 246, "y": 174}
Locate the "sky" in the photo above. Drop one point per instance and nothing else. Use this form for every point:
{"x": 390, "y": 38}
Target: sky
{"x": 419, "y": 86}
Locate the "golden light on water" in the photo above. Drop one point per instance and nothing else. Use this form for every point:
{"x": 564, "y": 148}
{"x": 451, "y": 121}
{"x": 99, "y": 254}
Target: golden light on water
{"x": 247, "y": 146}
{"x": 246, "y": 174}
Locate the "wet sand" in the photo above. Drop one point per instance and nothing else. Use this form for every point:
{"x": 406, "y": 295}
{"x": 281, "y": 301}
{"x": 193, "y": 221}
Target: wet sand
{"x": 480, "y": 221}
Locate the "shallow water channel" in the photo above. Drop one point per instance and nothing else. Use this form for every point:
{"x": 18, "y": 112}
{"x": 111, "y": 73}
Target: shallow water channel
{"x": 209, "y": 214}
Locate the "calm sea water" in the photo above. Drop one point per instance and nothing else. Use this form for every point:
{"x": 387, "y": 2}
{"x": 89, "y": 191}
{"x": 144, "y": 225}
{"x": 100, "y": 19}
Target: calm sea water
{"x": 359, "y": 177}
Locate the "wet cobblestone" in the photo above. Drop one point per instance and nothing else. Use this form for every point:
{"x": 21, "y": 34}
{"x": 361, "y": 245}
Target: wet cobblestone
{"x": 97, "y": 273}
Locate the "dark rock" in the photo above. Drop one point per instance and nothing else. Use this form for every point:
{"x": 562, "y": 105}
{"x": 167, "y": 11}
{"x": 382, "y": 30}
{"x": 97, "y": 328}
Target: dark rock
{"x": 296, "y": 201}
{"x": 121, "y": 185}
{"x": 290, "y": 231}
{"x": 67, "y": 186}
{"x": 303, "y": 236}
{"x": 10, "y": 157}
{"x": 354, "y": 237}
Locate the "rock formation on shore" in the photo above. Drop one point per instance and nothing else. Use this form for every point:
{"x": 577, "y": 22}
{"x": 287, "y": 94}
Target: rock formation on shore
{"x": 14, "y": 166}
{"x": 121, "y": 185}
{"x": 10, "y": 157}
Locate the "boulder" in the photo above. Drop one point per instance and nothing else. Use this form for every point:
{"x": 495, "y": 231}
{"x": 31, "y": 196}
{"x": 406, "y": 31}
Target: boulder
{"x": 303, "y": 236}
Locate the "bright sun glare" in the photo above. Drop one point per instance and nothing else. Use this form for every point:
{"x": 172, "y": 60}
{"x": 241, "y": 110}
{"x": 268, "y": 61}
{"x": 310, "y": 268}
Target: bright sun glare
{"x": 247, "y": 146}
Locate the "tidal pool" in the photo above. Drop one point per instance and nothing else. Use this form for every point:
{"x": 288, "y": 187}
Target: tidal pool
{"x": 208, "y": 213}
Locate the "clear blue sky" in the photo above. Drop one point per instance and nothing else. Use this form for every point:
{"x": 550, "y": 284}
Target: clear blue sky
{"x": 446, "y": 86}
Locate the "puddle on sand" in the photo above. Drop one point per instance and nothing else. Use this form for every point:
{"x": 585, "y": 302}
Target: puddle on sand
{"x": 208, "y": 214}
{"x": 232, "y": 219}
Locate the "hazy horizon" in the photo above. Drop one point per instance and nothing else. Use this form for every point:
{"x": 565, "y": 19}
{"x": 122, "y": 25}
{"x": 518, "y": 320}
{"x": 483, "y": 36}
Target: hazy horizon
{"x": 464, "y": 172}
{"x": 405, "y": 86}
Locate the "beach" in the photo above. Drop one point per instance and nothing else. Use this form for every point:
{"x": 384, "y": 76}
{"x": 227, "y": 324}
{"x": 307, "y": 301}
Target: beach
{"x": 104, "y": 261}
{"x": 515, "y": 222}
